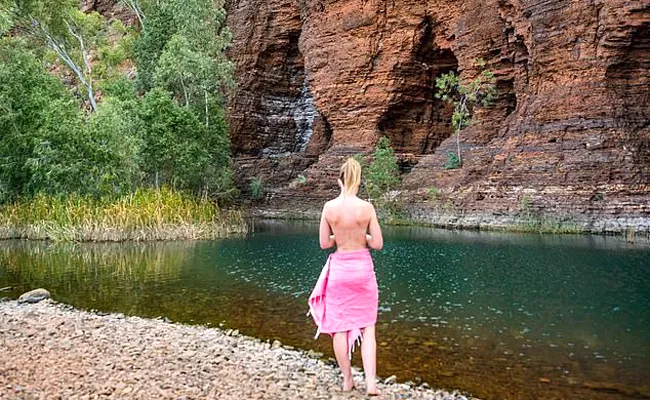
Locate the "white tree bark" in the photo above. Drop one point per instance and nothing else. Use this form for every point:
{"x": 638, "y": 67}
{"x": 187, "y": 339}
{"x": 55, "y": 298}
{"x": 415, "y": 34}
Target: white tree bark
{"x": 59, "y": 48}
{"x": 89, "y": 77}
{"x": 205, "y": 92}
{"x": 134, "y": 6}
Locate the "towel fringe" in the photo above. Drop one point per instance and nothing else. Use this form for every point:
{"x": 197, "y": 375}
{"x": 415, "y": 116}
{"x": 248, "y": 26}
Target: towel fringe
{"x": 356, "y": 342}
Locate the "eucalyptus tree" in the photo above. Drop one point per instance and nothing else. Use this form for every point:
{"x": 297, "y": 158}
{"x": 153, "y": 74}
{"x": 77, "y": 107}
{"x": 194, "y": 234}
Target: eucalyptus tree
{"x": 64, "y": 29}
{"x": 182, "y": 49}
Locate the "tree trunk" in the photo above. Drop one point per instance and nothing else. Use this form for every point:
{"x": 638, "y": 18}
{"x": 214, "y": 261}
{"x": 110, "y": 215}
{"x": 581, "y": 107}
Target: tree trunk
{"x": 62, "y": 53}
{"x": 88, "y": 82}
{"x": 205, "y": 92}
{"x": 187, "y": 100}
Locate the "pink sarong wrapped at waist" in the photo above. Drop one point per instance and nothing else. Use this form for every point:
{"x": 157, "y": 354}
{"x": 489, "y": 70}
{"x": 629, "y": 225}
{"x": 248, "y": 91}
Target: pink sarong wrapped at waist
{"x": 345, "y": 298}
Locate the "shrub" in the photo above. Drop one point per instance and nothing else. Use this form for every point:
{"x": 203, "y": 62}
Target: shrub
{"x": 257, "y": 188}
{"x": 433, "y": 193}
{"x": 383, "y": 173}
{"x": 39, "y": 121}
{"x": 453, "y": 161}
{"x": 178, "y": 149}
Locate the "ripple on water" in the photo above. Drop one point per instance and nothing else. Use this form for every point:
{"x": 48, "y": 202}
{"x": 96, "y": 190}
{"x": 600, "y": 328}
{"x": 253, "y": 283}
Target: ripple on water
{"x": 551, "y": 300}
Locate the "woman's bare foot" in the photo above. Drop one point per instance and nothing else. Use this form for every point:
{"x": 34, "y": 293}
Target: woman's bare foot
{"x": 373, "y": 392}
{"x": 348, "y": 385}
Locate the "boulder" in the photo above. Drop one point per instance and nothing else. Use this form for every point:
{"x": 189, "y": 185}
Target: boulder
{"x": 34, "y": 296}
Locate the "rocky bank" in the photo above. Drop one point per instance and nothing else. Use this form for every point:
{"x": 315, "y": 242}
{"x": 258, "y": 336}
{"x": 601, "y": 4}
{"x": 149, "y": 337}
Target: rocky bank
{"x": 51, "y": 351}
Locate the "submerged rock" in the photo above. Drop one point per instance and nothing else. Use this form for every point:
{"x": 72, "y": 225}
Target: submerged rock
{"x": 34, "y": 296}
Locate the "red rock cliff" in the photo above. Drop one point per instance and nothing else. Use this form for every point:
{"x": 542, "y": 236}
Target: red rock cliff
{"x": 569, "y": 133}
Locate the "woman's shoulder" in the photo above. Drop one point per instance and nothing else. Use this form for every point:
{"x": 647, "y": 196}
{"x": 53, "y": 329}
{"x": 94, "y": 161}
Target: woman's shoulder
{"x": 330, "y": 203}
{"x": 366, "y": 203}
{"x": 357, "y": 202}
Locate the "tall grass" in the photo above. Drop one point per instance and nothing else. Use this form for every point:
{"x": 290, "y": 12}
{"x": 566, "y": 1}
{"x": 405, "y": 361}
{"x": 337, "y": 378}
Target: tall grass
{"x": 163, "y": 214}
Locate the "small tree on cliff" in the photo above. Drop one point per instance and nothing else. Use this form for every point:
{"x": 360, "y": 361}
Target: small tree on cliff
{"x": 382, "y": 176}
{"x": 478, "y": 92}
{"x": 383, "y": 173}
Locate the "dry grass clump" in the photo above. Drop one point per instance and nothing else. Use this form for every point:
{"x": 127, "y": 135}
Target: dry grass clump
{"x": 147, "y": 214}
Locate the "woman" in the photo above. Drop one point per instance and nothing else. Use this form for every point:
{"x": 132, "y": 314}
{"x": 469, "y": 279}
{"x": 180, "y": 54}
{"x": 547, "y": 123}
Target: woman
{"x": 344, "y": 301}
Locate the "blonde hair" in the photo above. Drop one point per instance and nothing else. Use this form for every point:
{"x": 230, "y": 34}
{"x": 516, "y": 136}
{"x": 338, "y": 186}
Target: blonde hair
{"x": 350, "y": 174}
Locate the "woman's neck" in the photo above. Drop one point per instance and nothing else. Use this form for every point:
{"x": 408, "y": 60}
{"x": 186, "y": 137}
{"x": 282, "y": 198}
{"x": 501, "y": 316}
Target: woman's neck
{"x": 352, "y": 193}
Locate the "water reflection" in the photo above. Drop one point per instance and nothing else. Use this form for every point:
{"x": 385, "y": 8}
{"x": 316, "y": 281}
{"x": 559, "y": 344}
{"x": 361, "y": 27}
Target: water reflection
{"x": 95, "y": 275}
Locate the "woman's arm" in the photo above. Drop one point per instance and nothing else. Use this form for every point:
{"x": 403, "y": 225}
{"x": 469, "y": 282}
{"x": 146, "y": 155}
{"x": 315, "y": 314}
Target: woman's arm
{"x": 325, "y": 232}
{"x": 374, "y": 238}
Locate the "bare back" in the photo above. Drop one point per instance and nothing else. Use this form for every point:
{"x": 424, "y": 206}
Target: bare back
{"x": 350, "y": 219}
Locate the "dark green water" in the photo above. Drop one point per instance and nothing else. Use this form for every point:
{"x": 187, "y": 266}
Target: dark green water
{"x": 486, "y": 313}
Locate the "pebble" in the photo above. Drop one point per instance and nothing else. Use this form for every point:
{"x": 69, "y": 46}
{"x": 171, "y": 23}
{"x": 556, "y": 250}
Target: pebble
{"x": 78, "y": 354}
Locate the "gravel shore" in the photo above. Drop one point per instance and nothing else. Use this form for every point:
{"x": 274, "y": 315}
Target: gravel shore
{"x": 52, "y": 351}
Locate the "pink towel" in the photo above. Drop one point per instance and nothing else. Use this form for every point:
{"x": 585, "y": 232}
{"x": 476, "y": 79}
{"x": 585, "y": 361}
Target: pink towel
{"x": 345, "y": 297}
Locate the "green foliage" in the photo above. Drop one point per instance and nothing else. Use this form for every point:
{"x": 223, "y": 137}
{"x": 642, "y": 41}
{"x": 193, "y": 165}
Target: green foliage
{"x": 83, "y": 43}
{"x": 114, "y": 146}
{"x": 37, "y": 115}
{"x": 149, "y": 45}
{"x": 97, "y": 158}
{"x": 182, "y": 49}
{"x": 433, "y": 193}
{"x": 112, "y": 53}
{"x": 50, "y": 148}
{"x": 256, "y": 187}
{"x": 49, "y": 13}
{"x": 6, "y": 17}
{"x": 119, "y": 87}
{"x": 381, "y": 176}
{"x": 478, "y": 92}
{"x": 383, "y": 173}
{"x": 453, "y": 161}
{"x": 49, "y": 145}
{"x": 178, "y": 149}
{"x": 526, "y": 207}
{"x": 58, "y": 162}
{"x": 192, "y": 76}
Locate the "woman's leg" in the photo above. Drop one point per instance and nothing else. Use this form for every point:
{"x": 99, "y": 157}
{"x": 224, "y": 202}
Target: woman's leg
{"x": 340, "y": 342}
{"x": 369, "y": 355}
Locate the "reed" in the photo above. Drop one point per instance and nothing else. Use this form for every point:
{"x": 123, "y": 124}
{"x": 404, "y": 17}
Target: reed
{"x": 147, "y": 214}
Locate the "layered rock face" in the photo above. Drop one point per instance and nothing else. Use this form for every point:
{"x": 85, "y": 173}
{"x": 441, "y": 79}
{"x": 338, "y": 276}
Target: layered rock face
{"x": 569, "y": 133}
